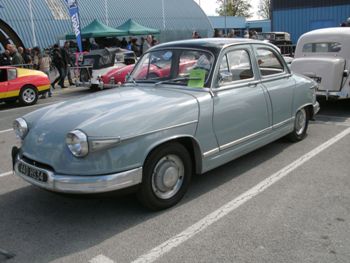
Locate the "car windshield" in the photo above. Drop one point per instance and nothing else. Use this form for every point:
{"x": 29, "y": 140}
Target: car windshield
{"x": 174, "y": 66}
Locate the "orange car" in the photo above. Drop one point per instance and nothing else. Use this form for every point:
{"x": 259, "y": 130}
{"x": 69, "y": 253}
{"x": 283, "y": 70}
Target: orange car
{"x": 23, "y": 84}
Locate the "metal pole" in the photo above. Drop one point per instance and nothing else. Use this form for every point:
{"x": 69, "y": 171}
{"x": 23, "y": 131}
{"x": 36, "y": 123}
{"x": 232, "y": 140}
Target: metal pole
{"x": 225, "y": 10}
{"x": 32, "y": 22}
{"x": 106, "y": 12}
{"x": 163, "y": 11}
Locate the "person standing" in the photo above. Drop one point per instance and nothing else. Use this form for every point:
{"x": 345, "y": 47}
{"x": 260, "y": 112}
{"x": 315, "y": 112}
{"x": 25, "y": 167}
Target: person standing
{"x": 44, "y": 66}
{"x": 57, "y": 61}
{"x": 66, "y": 56}
{"x": 25, "y": 56}
{"x": 36, "y": 57}
{"x": 5, "y": 58}
{"x": 16, "y": 57}
{"x": 134, "y": 47}
{"x": 148, "y": 43}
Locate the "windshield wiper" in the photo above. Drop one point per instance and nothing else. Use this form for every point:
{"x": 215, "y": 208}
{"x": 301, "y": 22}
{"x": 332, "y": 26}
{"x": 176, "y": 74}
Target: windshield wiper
{"x": 175, "y": 80}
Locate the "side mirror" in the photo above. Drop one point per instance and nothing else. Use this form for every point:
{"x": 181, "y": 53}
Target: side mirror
{"x": 346, "y": 73}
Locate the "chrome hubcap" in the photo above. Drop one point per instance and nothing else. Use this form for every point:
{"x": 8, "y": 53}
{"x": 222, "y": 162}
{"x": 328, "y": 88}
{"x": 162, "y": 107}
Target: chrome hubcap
{"x": 28, "y": 95}
{"x": 300, "y": 122}
{"x": 167, "y": 177}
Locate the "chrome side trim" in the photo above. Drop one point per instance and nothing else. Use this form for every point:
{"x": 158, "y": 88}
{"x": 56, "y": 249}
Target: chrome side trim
{"x": 277, "y": 125}
{"x": 211, "y": 152}
{"x": 83, "y": 184}
{"x": 243, "y": 139}
{"x": 159, "y": 130}
{"x": 99, "y": 143}
{"x": 246, "y": 138}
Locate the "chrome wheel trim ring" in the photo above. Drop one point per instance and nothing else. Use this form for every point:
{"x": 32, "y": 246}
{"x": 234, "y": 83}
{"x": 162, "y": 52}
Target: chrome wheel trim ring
{"x": 168, "y": 176}
{"x": 28, "y": 95}
{"x": 300, "y": 122}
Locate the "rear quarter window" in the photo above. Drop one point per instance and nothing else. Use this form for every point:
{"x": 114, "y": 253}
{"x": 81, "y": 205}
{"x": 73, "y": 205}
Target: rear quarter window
{"x": 322, "y": 47}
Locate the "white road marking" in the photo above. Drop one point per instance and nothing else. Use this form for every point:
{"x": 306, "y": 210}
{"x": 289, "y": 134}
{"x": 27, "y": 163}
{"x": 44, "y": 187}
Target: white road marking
{"x": 201, "y": 225}
{"x": 8, "y": 130}
{"x": 101, "y": 259}
{"x": 5, "y": 174}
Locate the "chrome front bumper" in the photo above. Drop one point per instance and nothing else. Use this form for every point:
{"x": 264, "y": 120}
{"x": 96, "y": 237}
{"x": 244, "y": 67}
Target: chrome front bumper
{"x": 316, "y": 108}
{"x": 80, "y": 183}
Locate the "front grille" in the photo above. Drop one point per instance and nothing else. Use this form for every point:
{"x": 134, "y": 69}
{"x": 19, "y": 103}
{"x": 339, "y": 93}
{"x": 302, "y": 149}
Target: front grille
{"x": 37, "y": 164}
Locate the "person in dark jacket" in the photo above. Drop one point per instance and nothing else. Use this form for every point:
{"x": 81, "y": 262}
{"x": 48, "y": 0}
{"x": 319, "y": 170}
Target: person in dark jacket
{"x": 66, "y": 56}
{"x": 5, "y": 58}
{"x": 16, "y": 57}
{"x": 25, "y": 55}
{"x": 59, "y": 64}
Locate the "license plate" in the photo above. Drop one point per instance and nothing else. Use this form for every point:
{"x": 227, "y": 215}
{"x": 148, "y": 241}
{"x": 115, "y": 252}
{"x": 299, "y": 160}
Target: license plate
{"x": 32, "y": 172}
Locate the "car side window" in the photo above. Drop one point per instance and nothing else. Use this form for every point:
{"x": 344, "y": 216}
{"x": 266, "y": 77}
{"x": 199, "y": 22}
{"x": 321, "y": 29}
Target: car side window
{"x": 235, "y": 66}
{"x": 268, "y": 62}
{"x": 3, "y": 75}
{"x": 11, "y": 74}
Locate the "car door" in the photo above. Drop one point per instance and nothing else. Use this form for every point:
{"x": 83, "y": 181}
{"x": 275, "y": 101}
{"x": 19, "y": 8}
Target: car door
{"x": 277, "y": 80}
{"x": 240, "y": 104}
{"x": 13, "y": 83}
{"x": 3, "y": 83}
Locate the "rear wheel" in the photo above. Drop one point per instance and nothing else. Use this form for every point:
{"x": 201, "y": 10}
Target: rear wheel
{"x": 28, "y": 95}
{"x": 166, "y": 176}
{"x": 300, "y": 125}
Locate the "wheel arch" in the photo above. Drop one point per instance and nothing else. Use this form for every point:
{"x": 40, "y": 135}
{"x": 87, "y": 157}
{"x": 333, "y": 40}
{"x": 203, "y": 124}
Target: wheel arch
{"x": 28, "y": 85}
{"x": 190, "y": 143}
{"x": 310, "y": 110}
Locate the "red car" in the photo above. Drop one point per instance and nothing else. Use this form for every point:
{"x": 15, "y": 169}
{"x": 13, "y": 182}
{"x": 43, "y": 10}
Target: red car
{"x": 156, "y": 70}
{"x": 23, "y": 84}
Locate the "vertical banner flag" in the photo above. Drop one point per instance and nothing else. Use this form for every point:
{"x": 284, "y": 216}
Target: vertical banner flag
{"x": 74, "y": 14}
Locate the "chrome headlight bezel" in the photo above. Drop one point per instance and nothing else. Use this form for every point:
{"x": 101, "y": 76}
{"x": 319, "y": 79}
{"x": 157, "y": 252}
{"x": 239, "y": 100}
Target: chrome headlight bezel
{"x": 77, "y": 143}
{"x": 20, "y": 127}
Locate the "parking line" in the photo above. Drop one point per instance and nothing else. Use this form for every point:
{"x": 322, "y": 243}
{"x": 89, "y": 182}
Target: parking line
{"x": 5, "y": 174}
{"x": 101, "y": 259}
{"x": 27, "y": 107}
{"x": 224, "y": 210}
{"x": 4, "y": 131}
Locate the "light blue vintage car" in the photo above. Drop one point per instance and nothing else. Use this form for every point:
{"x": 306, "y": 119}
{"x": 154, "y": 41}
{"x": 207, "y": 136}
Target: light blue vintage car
{"x": 187, "y": 107}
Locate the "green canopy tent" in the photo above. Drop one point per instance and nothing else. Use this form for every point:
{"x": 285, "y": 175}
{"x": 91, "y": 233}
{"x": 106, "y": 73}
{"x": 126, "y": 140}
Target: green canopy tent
{"x": 133, "y": 28}
{"x": 97, "y": 29}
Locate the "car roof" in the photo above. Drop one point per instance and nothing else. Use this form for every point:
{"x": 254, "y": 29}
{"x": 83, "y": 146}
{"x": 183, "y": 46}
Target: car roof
{"x": 212, "y": 44}
{"x": 338, "y": 31}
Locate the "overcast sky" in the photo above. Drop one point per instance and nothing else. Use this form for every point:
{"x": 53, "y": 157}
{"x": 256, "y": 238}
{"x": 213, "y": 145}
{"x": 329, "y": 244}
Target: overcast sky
{"x": 209, "y": 7}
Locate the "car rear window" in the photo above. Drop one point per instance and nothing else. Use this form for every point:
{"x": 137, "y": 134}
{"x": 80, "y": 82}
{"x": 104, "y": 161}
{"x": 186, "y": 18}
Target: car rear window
{"x": 322, "y": 47}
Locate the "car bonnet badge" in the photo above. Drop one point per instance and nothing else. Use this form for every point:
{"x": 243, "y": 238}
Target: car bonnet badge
{"x": 41, "y": 138}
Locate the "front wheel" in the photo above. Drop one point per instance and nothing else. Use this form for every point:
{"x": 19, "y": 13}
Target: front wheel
{"x": 166, "y": 176}
{"x": 28, "y": 95}
{"x": 300, "y": 126}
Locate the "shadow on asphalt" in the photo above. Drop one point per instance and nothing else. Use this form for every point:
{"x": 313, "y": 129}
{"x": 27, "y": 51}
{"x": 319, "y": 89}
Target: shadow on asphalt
{"x": 41, "y": 226}
{"x": 339, "y": 108}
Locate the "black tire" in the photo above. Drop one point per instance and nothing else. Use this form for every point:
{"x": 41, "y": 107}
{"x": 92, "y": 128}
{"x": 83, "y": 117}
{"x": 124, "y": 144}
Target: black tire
{"x": 301, "y": 123}
{"x": 94, "y": 87}
{"x": 173, "y": 160}
{"x": 28, "y": 95}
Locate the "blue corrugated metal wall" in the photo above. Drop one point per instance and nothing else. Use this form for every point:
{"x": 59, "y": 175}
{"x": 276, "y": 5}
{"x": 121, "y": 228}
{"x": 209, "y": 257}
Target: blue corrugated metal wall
{"x": 265, "y": 25}
{"x": 181, "y": 17}
{"x": 300, "y": 21}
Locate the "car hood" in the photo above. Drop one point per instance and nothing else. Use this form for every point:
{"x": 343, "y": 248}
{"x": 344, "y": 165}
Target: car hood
{"x": 122, "y": 113}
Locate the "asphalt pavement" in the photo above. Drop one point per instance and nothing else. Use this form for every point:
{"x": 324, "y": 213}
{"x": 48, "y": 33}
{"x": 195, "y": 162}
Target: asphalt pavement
{"x": 284, "y": 202}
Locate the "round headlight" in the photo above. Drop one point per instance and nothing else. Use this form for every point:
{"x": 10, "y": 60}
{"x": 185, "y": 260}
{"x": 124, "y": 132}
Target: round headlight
{"x": 77, "y": 143}
{"x": 20, "y": 127}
